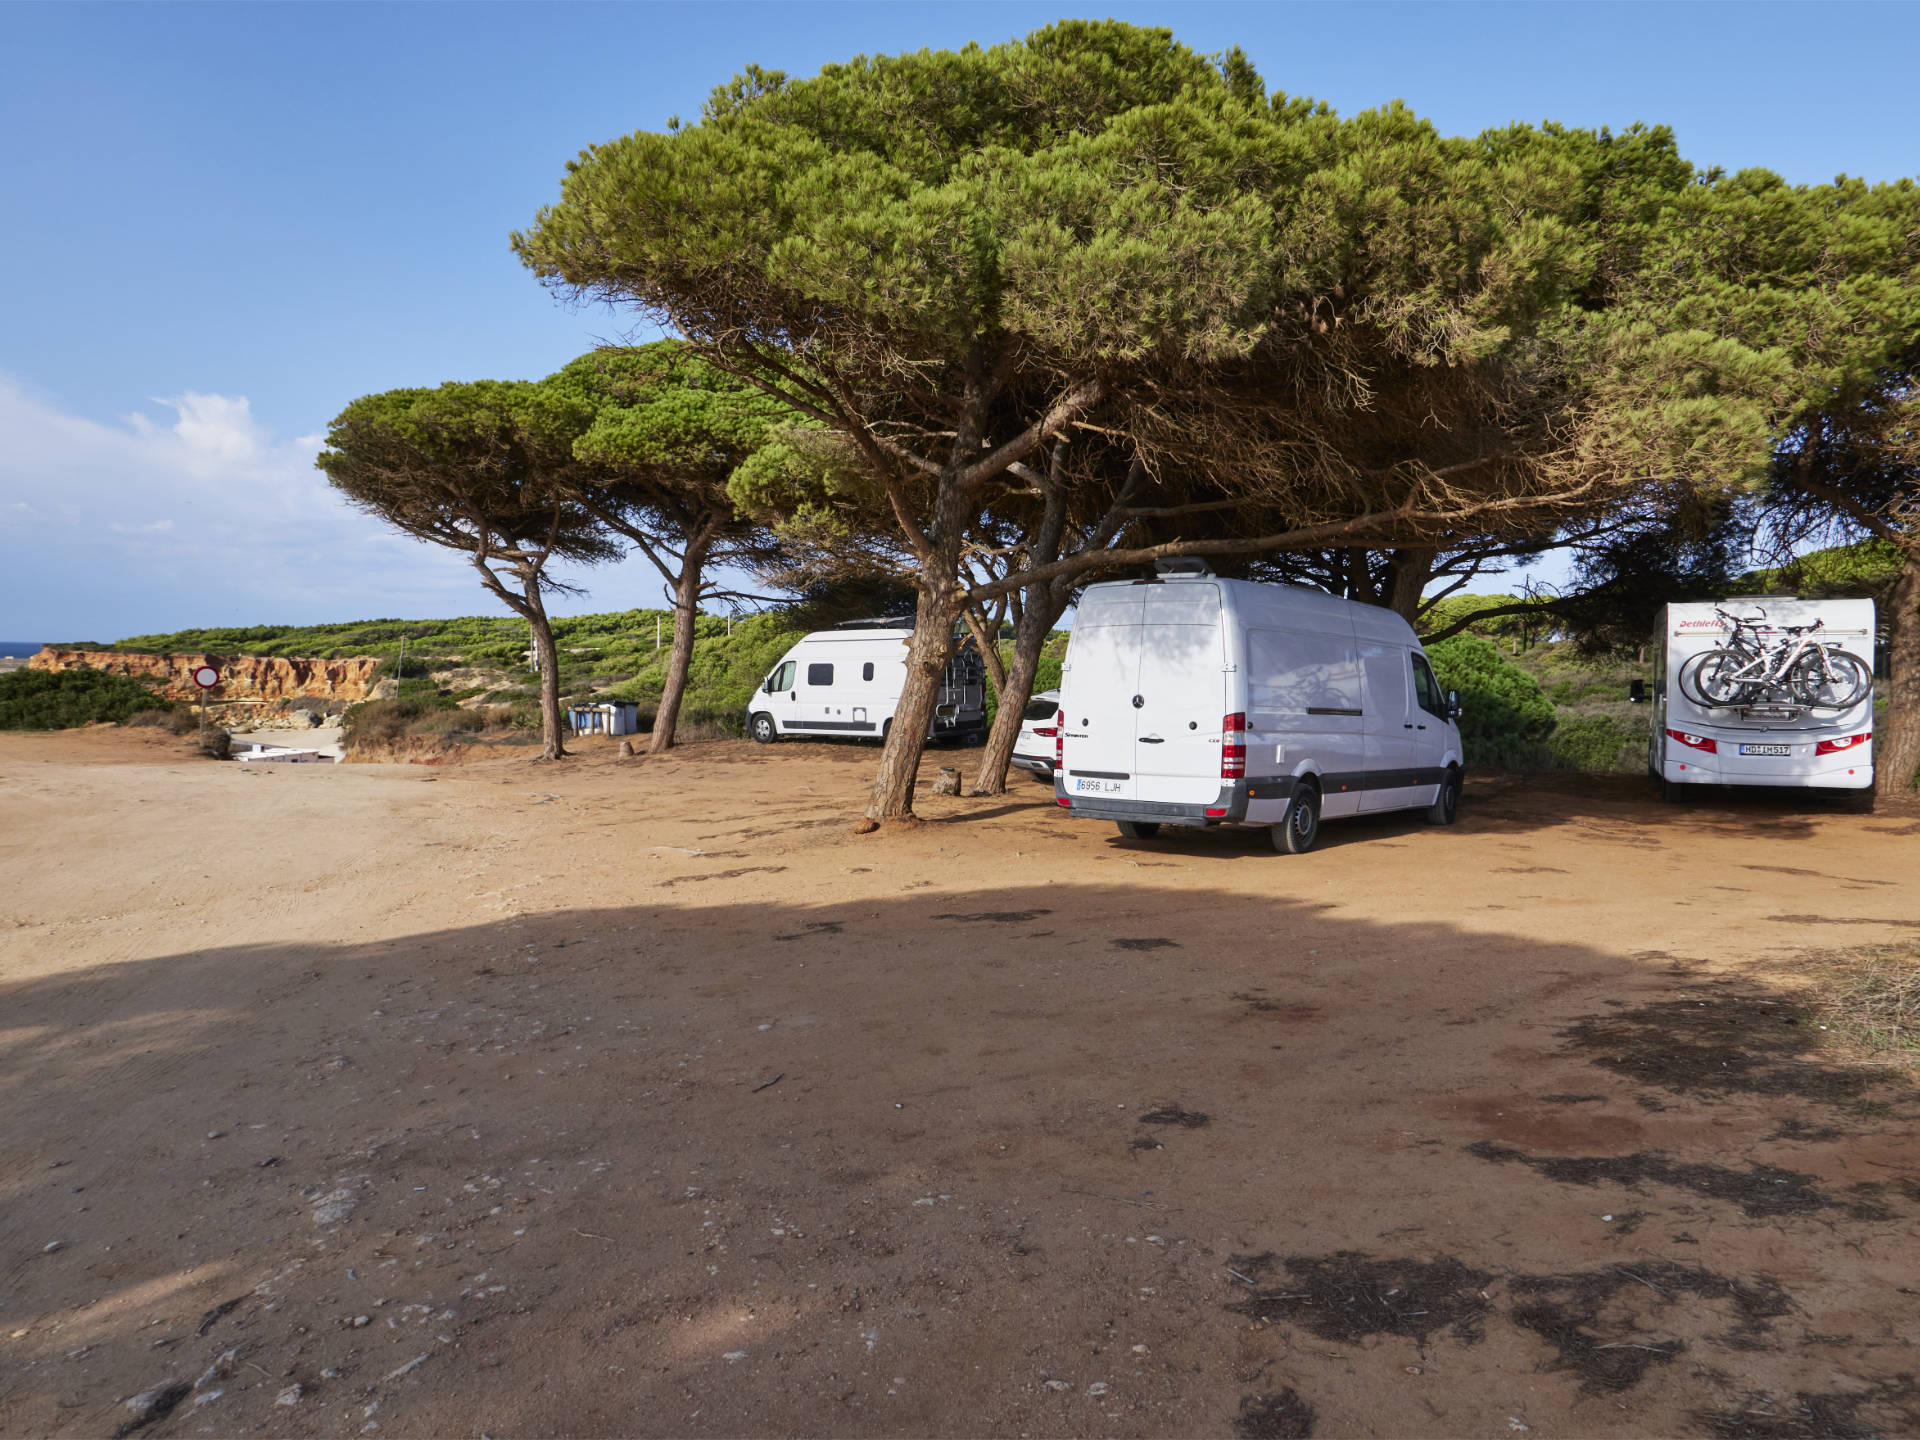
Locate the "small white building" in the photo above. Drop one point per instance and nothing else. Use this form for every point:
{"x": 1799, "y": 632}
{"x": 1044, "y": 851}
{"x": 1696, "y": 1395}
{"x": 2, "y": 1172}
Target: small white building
{"x": 613, "y": 717}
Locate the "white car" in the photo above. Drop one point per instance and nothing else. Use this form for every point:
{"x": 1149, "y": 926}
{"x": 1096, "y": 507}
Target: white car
{"x": 1034, "y": 749}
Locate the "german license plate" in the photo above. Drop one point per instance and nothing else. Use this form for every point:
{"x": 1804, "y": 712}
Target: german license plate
{"x": 1097, "y": 787}
{"x": 1766, "y": 749}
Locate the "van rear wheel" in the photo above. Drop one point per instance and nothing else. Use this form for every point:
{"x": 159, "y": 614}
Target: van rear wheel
{"x": 1138, "y": 829}
{"x": 1296, "y": 834}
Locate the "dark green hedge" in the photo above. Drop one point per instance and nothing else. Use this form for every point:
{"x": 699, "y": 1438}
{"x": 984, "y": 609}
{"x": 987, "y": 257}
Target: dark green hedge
{"x": 60, "y": 700}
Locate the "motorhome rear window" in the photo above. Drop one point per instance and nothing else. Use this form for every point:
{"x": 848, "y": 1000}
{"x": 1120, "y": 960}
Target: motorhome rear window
{"x": 819, "y": 674}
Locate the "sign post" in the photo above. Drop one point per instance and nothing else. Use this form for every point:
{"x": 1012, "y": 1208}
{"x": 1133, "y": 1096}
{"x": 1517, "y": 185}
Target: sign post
{"x": 206, "y": 677}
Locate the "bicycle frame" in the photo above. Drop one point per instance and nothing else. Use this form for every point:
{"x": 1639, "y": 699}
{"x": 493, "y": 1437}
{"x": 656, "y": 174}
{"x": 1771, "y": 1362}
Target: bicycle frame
{"x": 1768, "y": 666}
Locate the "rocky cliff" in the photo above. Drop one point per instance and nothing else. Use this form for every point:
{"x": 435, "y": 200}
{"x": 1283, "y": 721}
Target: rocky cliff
{"x": 242, "y": 677}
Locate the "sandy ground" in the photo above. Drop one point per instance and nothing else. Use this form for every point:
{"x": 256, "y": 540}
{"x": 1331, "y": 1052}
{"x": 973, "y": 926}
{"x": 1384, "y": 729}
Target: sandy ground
{"x": 644, "y": 1098}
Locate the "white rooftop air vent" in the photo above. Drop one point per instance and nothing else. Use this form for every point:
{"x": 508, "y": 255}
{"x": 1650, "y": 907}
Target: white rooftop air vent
{"x": 1181, "y": 565}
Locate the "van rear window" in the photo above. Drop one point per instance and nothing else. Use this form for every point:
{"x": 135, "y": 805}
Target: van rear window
{"x": 819, "y": 674}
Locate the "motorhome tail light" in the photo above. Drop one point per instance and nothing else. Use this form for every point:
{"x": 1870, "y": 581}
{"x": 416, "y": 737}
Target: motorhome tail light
{"x": 1233, "y": 746}
{"x": 1697, "y": 742}
{"x": 1841, "y": 742}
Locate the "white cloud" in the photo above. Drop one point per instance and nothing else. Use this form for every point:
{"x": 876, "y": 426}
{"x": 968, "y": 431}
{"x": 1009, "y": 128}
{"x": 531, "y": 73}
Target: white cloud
{"x": 196, "y": 517}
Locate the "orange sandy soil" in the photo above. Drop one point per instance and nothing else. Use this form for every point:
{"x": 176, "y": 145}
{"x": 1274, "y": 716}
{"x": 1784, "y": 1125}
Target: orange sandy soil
{"x": 644, "y": 1098}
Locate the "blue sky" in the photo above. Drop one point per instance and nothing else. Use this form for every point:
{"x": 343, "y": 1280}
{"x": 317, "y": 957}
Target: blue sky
{"x": 226, "y": 221}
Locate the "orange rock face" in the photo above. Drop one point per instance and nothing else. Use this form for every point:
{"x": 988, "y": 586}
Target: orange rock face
{"x": 242, "y": 677}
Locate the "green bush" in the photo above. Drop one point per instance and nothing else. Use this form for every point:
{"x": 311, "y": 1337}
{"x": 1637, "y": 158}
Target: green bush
{"x": 63, "y": 699}
{"x": 722, "y": 675}
{"x": 1046, "y": 675}
{"x": 1505, "y": 715}
{"x": 1594, "y": 742}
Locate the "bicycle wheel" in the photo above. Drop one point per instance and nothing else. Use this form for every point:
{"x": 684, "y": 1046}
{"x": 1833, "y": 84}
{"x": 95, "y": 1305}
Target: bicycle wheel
{"x": 1830, "y": 680}
{"x": 1709, "y": 678}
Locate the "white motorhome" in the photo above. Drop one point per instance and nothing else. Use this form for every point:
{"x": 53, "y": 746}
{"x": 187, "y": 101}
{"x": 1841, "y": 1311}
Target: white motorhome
{"x": 1187, "y": 699}
{"x": 1782, "y": 733}
{"x": 847, "y": 682}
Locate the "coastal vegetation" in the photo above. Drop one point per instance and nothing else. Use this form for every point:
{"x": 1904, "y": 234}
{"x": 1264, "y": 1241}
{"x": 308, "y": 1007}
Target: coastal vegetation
{"x": 61, "y": 700}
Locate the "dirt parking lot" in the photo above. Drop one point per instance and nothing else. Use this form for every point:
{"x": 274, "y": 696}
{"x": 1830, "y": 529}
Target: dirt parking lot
{"x": 644, "y": 1098}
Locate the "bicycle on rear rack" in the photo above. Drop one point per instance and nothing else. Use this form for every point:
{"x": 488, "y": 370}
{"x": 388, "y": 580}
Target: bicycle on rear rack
{"x": 1793, "y": 669}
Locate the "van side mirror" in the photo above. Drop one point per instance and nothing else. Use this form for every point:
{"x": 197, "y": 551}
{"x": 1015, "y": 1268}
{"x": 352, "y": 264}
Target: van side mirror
{"x": 1454, "y": 712}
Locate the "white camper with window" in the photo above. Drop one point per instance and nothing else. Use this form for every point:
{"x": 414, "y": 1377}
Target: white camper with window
{"x": 847, "y": 683}
{"x": 1771, "y": 690}
{"x": 1191, "y": 700}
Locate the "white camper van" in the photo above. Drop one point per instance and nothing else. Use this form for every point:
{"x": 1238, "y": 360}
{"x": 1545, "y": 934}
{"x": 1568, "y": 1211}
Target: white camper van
{"x": 1191, "y": 700}
{"x": 1771, "y": 690}
{"x": 847, "y": 682}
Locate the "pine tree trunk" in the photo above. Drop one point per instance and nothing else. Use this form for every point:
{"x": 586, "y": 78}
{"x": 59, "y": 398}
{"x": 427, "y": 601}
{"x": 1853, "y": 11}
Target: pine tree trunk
{"x": 1411, "y": 571}
{"x": 552, "y": 743}
{"x": 1897, "y": 745}
{"x": 927, "y": 658}
{"x": 1029, "y": 639}
{"x": 686, "y": 599}
{"x": 986, "y": 635}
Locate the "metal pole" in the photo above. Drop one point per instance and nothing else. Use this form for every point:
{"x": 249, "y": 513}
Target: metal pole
{"x": 656, "y": 634}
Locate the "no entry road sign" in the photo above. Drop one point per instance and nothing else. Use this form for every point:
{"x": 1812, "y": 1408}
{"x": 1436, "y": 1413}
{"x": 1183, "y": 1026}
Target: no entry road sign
{"x": 206, "y": 677}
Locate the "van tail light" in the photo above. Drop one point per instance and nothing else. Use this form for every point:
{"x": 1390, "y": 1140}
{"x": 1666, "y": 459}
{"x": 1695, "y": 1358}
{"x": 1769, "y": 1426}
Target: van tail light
{"x": 1841, "y": 742}
{"x": 1233, "y": 746}
{"x": 1059, "y": 738}
{"x": 1697, "y": 742}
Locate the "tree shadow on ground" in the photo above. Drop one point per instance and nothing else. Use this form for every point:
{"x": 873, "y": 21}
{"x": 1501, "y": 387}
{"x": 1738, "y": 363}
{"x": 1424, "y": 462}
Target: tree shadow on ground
{"x": 734, "y": 1167}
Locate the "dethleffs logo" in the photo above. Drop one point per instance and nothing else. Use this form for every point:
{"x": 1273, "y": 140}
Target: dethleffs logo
{"x": 1703, "y": 624}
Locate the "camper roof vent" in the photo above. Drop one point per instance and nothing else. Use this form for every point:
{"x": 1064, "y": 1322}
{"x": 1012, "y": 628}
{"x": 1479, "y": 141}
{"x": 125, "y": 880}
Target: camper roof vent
{"x": 1181, "y": 565}
{"x": 878, "y": 622}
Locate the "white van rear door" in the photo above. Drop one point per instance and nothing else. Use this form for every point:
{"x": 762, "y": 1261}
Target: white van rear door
{"x": 1182, "y": 694}
{"x": 1100, "y": 680}
{"x": 1387, "y": 675}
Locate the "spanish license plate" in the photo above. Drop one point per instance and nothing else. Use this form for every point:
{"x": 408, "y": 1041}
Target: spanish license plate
{"x": 1097, "y": 787}
{"x": 1766, "y": 750}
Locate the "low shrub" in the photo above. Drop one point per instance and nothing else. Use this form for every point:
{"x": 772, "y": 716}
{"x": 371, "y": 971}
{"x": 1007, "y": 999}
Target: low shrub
{"x": 179, "y": 719}
{"x": 1595, "y": 742}
{"x": 374, "y": 726}
{"x": 64, "y": 699}
{"x": 1867, "y": 1000}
